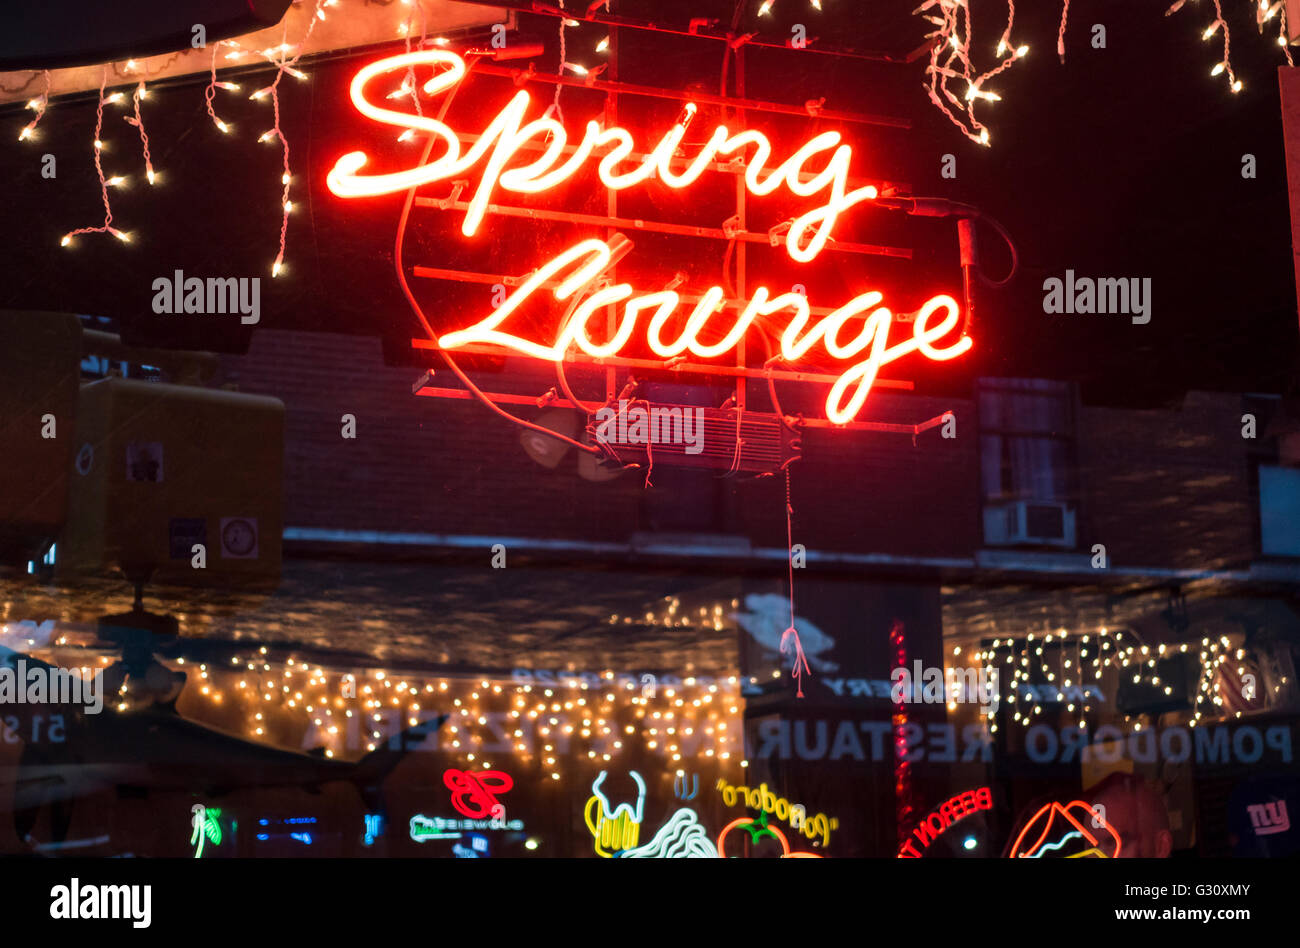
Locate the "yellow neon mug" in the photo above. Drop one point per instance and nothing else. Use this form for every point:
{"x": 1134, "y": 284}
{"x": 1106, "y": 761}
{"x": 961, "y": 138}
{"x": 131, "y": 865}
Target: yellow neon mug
{"x": 618, "y": 829}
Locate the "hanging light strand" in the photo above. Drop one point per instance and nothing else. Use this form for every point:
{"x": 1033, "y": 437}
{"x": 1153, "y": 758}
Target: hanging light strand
{"x": 285, "y": 179}
{"x": 1005, "y": 42}
{"x": 39, "y": 104}
{"x": 1060, "y": 34}
{"x": 1282, "y": 35}
{"x": 791, "y": 635}
{"x": 410, "y": 84}
{"x": 951, "y": 62}
{"x": 950, "y": 59}
{"x": 138, "y": 122}
{"x": 1225, "y": 65}
{"x": 211, "y": 91}
{"x": 555, "y": 105}
{"x": 98, "y": 146}
{"x": 285, "y": 65}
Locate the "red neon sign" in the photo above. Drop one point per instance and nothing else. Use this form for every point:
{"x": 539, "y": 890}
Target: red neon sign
{"x": 938, "y": 822}
{"x": 507, "y": 134}
{"x": 581, "y": 266}
{"x": 1045, "y": 822}
{"x": 475, "y": 794}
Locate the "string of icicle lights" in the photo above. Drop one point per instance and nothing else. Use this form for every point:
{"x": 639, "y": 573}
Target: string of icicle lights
{"x": 273, "y": 700}
{"x": 1076, "y": 661}
{"x": 284, "y": 57}
{"x": 956, "y": 85}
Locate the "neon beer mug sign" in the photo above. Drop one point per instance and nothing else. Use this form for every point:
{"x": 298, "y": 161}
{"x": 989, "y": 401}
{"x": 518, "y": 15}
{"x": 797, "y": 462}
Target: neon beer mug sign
{"x": 579, "y": 269}
{"x": 614, "y": 829}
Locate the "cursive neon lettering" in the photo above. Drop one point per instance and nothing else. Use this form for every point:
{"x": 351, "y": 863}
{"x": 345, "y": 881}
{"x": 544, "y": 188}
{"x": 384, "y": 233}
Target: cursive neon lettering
{"x": 818, "y": 169}
{"x": 507, "y": 134}
{"x": 593, "y": 257}
{"x": 764, "y": 800}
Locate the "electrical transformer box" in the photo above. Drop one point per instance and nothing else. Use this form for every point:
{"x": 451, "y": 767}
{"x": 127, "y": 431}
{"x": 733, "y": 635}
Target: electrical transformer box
{"x": 175, "y": 484}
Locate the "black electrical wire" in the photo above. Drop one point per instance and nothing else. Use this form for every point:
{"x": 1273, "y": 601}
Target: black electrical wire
{"x": 419, "y": 313}
{"x": 1011, "y": 246}
{"x": 942, "y": 207}
{"x": 559, "y": 368}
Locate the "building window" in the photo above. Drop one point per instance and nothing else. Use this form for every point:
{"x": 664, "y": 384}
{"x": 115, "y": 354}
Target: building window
{"x": 1279, "y": 510}
{"x": 1026, "y": 462}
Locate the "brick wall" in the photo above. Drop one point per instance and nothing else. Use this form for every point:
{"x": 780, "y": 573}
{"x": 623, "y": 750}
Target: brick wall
{"x": 1167, "y": 488}
{"x": 448, "y": 466}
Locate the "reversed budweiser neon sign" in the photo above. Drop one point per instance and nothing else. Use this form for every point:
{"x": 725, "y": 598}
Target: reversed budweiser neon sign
{"x": 576, "y": 273}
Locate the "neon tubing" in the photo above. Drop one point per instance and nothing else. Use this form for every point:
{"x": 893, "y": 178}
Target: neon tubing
{"x": 507, "y": 134}
{"x": 589, "y": 259}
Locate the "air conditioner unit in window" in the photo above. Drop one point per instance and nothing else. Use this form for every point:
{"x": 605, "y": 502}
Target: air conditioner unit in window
{"x": 1041, "y": 523}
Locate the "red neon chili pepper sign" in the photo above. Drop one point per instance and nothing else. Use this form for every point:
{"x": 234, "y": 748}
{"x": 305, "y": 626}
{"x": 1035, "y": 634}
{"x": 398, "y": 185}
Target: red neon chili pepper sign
{"x": 579, "y": 268}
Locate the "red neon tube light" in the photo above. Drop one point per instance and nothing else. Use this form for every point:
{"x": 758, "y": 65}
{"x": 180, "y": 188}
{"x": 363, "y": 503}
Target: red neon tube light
{"x": 577, "y": 270}
{"x": 507, "y": 134}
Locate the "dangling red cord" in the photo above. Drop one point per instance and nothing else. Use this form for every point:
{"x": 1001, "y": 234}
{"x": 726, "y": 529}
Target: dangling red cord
{"x": 800, "y": 661}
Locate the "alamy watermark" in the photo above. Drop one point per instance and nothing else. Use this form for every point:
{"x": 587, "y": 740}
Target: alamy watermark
{"x": 42, "y": 684}
{"x": 76, "y": 901}
{"x": 655, "y": 424}
{"x": 215, "y": 295}
{"x": 1102, "y": 296}
{"x": 945, "y": 685}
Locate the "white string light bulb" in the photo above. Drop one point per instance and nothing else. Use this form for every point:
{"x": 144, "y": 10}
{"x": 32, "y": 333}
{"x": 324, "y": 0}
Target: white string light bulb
{"x": 98, "y": 149}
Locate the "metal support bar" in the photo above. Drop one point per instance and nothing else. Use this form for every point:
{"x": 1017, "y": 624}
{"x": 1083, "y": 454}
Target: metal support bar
{"x": 655, "y": 92}
{"x": 432, "y": 391}
{"x": 877, "y": 425}
{"x": 658, "y": 227}
{"x": 659, "y": 365}
{"x": 736, "y": 167}
{"x": 698, "y": 28}
{"x": 507, "y": 399}
{"x": 474, "y": 276}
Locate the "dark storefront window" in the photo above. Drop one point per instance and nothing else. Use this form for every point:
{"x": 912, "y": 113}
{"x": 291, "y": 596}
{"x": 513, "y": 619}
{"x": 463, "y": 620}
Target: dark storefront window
{"x": 1026, "y": 460}
{"x": 1279, "y": 510}
{"x": 649, "y": 429}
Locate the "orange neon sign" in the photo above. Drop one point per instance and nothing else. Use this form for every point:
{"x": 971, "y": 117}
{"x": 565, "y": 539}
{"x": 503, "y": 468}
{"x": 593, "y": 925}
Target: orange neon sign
{"x": 767, "y": 830}
{"x": 580, "y": 268}
{"x": 1045, "y": 823}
